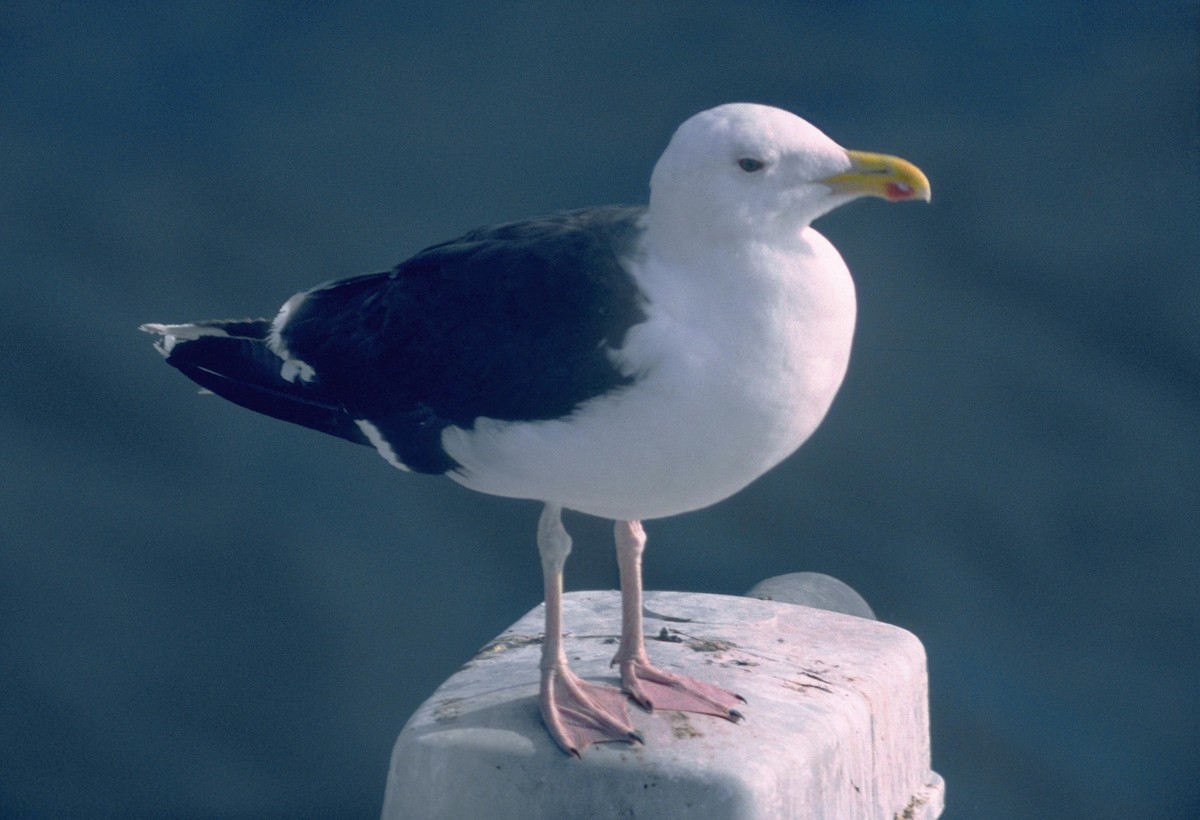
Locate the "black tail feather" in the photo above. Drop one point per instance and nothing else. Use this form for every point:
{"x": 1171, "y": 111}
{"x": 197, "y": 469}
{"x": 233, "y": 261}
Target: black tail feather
{"x": 232, "y": 360}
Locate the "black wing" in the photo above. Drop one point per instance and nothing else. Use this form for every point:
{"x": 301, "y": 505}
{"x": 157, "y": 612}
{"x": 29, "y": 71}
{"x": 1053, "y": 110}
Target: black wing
{"x": 232, "y": 359}
{"x": 513, "y": 322}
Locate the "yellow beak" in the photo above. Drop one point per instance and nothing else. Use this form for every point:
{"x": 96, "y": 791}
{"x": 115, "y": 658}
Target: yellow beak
{"x": 890, "y": 178}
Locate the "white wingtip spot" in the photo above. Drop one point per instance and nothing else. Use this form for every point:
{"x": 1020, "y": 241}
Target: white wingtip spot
{"x": 294, "y": 368}
{"x": 166, "y": 341}
{"x": 185, "y": 332}
{"x": 173, "y": 334}
{"x": 381, "y": 444}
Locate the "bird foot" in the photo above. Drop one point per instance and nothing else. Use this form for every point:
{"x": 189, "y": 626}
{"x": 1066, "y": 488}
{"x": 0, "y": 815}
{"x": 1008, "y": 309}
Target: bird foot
{"x": 653, "y": 688}
{"x": 578, "y": 713}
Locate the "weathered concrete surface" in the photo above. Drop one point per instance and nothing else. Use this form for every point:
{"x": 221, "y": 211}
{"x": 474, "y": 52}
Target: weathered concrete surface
{"x": 836, "y": 722}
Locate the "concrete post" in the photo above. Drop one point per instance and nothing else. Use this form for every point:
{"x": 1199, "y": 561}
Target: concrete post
{"x": 836, "y": 721}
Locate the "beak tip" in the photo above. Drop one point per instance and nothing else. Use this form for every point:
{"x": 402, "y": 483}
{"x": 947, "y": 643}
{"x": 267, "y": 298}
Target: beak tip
{"x": 901, "y": 191}
{"x": 881, "y": 175}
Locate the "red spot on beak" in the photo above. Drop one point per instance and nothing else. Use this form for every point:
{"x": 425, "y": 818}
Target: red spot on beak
{"x": 897, "y": 191}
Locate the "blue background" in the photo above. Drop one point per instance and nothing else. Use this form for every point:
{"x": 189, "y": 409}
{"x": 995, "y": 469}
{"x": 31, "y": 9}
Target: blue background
{"x": 207, "y": 613}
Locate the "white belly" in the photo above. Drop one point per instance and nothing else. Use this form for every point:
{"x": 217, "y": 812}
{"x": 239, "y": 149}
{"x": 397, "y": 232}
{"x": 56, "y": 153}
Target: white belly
{"x": 734, "y": 376}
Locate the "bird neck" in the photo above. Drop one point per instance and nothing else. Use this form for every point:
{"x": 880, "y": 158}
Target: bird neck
{"x": 689, "y": 242}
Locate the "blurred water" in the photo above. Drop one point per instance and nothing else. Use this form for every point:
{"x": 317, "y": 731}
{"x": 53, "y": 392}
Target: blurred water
{"x": 206, "y": 613}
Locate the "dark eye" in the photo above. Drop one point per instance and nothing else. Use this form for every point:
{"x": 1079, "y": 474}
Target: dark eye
{"x": 750, "y": 165}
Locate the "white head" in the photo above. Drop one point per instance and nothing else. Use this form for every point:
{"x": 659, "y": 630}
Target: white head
{"x": 746, "y": 171}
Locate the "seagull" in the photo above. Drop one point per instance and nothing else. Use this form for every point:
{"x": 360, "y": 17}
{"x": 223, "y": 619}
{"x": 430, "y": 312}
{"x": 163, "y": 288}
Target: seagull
{"x": 626, "y": 362}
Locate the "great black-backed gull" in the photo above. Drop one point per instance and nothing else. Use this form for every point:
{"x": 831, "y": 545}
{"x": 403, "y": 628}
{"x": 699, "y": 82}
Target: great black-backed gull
{"x": 626, "y": 362}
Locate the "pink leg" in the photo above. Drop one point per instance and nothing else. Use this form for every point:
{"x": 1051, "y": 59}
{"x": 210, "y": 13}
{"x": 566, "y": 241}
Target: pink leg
{"x": 651, "y": 687}
{"x": 576, "y": 713}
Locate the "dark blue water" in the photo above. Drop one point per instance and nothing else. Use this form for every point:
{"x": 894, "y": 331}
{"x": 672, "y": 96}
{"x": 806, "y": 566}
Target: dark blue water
{"x": 207, "y": 613}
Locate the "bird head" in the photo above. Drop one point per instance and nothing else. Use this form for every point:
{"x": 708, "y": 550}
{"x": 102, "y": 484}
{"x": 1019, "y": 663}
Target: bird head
{"x": 753, "y": 171}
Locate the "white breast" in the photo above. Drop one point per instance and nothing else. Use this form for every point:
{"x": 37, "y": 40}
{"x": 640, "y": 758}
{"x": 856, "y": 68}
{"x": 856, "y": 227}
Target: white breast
{"x": 739, "y": 360}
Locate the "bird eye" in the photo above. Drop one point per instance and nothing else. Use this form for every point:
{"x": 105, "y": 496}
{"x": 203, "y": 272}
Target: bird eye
{"x": 750, "y": 165}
